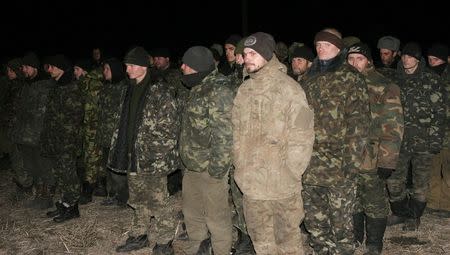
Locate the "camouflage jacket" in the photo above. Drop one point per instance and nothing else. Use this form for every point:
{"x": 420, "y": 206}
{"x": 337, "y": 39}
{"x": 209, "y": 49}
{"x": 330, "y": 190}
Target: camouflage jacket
{"x": 110, "y": 97}
{"x": 340, "y": 101}
{"x": 386, "y": 126}
{"x": 9, "y": 100}
{"x": 206, "y": 132}
{"x": 31, "y": 109}
{"x": 155, "y": 135}
{"x": 172, "y": 77}
{"x": 446, "y": 77}
{"x": 90, "y": 86}
{"x": 63, "y": 119}
{"x": 273, "y": 134}
{"x": 424, "y": 110}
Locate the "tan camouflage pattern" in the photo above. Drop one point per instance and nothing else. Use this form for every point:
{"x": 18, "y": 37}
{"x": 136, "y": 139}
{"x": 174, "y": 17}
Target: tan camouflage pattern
{"x": 206, "y": 132}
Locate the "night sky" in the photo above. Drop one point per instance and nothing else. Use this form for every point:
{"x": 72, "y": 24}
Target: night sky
{"x": 75, "y": 27}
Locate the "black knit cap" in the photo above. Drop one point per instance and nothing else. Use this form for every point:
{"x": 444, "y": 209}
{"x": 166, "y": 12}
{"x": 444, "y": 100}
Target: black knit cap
{"x": 439, "y": 50}
{"x": 137, "y": 56}
{"x": 199, "y": 58}
{"x": 233, "y": 39}
{"x": 303, "y": 52}
{"x": 60, "y": 61}
{"x": 262, "y": 43}
{"x": 160, "y": 52}
{"x": 84, "y": 64}
{"x": 31, "y": 59}
{"x": 412, "y": 49}
{"x": 360, "y": 48}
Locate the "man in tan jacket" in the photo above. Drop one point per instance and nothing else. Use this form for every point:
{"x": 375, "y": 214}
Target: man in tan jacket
{"x": 273, "y": 137}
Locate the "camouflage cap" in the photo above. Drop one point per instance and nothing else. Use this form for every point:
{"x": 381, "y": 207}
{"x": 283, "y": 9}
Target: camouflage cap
{"x": 240, "y": 46}
{"x": 350, "y": 40}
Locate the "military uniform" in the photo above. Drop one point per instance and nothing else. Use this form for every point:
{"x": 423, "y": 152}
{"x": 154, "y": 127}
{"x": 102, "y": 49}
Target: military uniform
{"x": 90, "y": 85}
{"x": 61, "y": 138}
{"x": 151, "y": 157}
{"x": 340, "y": 101}
{"x": 424, "y": 114}
{"x": 205, "y": 149}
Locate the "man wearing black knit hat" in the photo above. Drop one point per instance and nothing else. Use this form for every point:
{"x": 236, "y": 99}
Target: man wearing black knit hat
{"x": 60, "y": 138}
{"x": 340, "y": 101}
{"x": 205, "y": 150}
{"x": 423, "y": 103}
{"x": 144, "y": 147}
{"x": 226, "y": 66}
{"x": 301, "y": 60}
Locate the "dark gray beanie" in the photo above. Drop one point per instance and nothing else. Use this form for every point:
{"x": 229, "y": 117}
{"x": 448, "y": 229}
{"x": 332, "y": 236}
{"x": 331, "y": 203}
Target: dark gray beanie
{"x": 60, "y": 61}
{"x": 412, "y": 49}
{"x": 137, "y": 56}
{"x": 31, "y": 59}
{"x": 262, "y": 43}
{"x": 199, "y": 58}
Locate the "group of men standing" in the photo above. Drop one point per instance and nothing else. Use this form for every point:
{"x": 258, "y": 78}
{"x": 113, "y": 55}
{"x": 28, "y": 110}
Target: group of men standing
{"x": 319, "y": 149}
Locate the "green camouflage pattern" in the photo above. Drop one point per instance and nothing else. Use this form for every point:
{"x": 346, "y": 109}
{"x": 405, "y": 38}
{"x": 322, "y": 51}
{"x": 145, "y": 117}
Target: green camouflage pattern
{"x": 372, "y": 196}
{"x": 206, "y": 132}
{"x": 341, "y": 108}
{"x": 156, "y": 134}
{"x": 90, "y": 85}
{"x": 31, "y": 110}
{"x": 65, "y": 174}
{"x": 328, "y": 217}
{"x": 386, "y": 126}
{"x": 446, "y": 77}
{"x": 63, "y": 120}
{"x": 154, "y": 211}
{"x": 109, "y": 100}
{"x": 424, "y": 110}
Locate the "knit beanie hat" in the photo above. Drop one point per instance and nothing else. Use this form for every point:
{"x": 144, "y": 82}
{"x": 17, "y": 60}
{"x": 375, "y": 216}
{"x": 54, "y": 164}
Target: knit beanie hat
{"x": 84, "y": 64}
{"x": 199, "y": 58}
{"x": 360, "y": 48}
{"x": 329, "y": 37}
{"x": 15, "y": 64}
{"x": 439, "y": 50}
{"x": 233, "y": 39}
{"x": 262, "y": 43}
{"x": 137, "y": 56}
{"x": 389, "y": 42}
{"x": 31, "y": 59}
{"x": 350, "y": 40}
{"x": 412, "y": 49}
{"x": 60, "y": 61}
{"x": 161, "y": 52}
{"x": 303, "y": 52}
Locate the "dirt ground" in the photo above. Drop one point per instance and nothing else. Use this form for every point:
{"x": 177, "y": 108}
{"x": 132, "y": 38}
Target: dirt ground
{"x": 101, "y": 229}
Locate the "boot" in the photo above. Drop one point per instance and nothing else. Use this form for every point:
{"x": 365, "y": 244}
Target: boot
{"x": 100, "y": 190}
{"x": 417, "y": 209}
{"x": 243, "y": 244}
{"x": 400, "y": 212}
{"x": 133, "y": 243}
{"x": 86, "y": 193}
{"x": 375, "y": 228}
{"x": 59, "y": 210}
{"x": 358, "y": 227}
{"x": 205, "y": 247}
{"x": 70, "y": 212}
{"x": 163, "y": 249}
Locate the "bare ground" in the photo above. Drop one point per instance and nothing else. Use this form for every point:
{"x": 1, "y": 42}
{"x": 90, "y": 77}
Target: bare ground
{"x": 101, "y": 229}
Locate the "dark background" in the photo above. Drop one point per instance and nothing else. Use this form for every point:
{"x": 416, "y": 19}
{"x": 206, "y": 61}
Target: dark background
{"x": 75, "y": 27}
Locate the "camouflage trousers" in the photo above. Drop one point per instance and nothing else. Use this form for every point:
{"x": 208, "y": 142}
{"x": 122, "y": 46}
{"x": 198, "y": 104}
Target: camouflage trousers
{"x": 65, "y": 174}
{"x": 37, "y": 167}
{"x": 371, "y": 195}
{"x": 421, "y": 169}
{"x": 238, "y": 217}
{"x": 92, "y": 159}
{"x": 153, "y": 213}
{"x": 273, "y": 225}
{"x": 328, "y": 217}
{"x": 21, "y": 177}
{"x": 206, "y": 207}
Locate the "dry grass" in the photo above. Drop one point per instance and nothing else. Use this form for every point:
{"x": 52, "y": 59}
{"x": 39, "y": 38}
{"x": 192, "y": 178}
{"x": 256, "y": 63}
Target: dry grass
{"x": 100, "y": 230}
